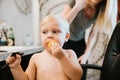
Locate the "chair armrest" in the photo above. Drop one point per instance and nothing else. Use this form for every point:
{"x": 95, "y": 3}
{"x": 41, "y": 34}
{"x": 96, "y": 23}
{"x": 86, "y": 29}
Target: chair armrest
{"x": 91, "y": 66}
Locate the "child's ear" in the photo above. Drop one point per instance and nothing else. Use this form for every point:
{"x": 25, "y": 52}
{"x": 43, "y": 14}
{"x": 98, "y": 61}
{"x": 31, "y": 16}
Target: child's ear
{"x": 67, "y": 37}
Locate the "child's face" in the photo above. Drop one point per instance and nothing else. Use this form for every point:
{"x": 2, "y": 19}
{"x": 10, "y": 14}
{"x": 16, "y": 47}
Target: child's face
{"x": 51, "y": 30}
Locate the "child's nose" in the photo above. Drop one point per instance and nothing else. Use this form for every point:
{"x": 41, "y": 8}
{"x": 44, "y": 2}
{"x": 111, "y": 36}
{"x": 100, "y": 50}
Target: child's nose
{"x": 50, "y": 35}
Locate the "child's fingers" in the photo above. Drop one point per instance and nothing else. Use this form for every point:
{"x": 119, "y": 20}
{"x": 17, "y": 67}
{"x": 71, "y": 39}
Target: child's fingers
{"x": 13, "y": 61}
{"x": 55, "y": 45}
{"x": 7, "y": 61}
{"x": 18, "y": 56}
{"x": 10, "y": 60}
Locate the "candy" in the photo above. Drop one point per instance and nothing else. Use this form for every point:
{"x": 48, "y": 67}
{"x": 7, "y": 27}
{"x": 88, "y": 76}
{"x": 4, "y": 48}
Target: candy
{"x": 51, "y": 42}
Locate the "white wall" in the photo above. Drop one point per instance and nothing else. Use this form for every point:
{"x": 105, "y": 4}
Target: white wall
{"x": 21, "y": 23}
{"x": 28, "y": 24}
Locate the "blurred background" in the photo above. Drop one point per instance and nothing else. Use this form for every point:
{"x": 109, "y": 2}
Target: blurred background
{"x": 23, "y": 16}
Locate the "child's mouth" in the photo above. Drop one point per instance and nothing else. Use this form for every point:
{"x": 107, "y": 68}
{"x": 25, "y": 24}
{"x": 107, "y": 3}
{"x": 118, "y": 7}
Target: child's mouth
{"x": 52, "y": 41}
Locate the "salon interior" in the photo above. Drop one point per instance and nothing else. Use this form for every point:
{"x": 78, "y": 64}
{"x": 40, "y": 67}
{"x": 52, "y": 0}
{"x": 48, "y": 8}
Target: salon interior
{"x": 19, "y": 32}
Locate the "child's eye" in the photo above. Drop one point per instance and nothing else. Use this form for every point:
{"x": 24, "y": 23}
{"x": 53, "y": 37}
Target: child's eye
{"x": 44, "y": 32}
{"x": 56, "y": 31}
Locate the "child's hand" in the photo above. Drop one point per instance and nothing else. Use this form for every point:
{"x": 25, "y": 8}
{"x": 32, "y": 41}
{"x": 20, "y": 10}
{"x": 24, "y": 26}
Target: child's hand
{"x": 56, "y": 49}
{"x": 13, "y": 61}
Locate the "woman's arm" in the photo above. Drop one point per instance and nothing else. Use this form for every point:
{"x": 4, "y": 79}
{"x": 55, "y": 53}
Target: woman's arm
{"x": 70, "y": 13}
{"x": 90, "y": 43}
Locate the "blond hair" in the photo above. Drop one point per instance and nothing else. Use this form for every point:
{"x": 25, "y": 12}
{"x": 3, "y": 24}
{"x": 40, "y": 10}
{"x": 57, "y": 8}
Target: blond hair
{"x": 62, "y": 22}
{"x": 106, "y": 20}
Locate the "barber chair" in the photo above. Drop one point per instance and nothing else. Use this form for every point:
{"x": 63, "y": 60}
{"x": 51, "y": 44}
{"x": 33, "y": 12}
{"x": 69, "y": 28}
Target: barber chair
{"x": 110, "y": 69}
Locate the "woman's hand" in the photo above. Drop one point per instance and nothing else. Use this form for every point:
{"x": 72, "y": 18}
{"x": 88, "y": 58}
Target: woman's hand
{"x": 83, "y": 59}
{"x": 80, "y": 4}
{"x": 13, "y": 61}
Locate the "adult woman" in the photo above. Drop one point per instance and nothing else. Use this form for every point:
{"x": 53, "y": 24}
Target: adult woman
{"x": 81, "y": 16}
{"x": 75, "y": 12}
